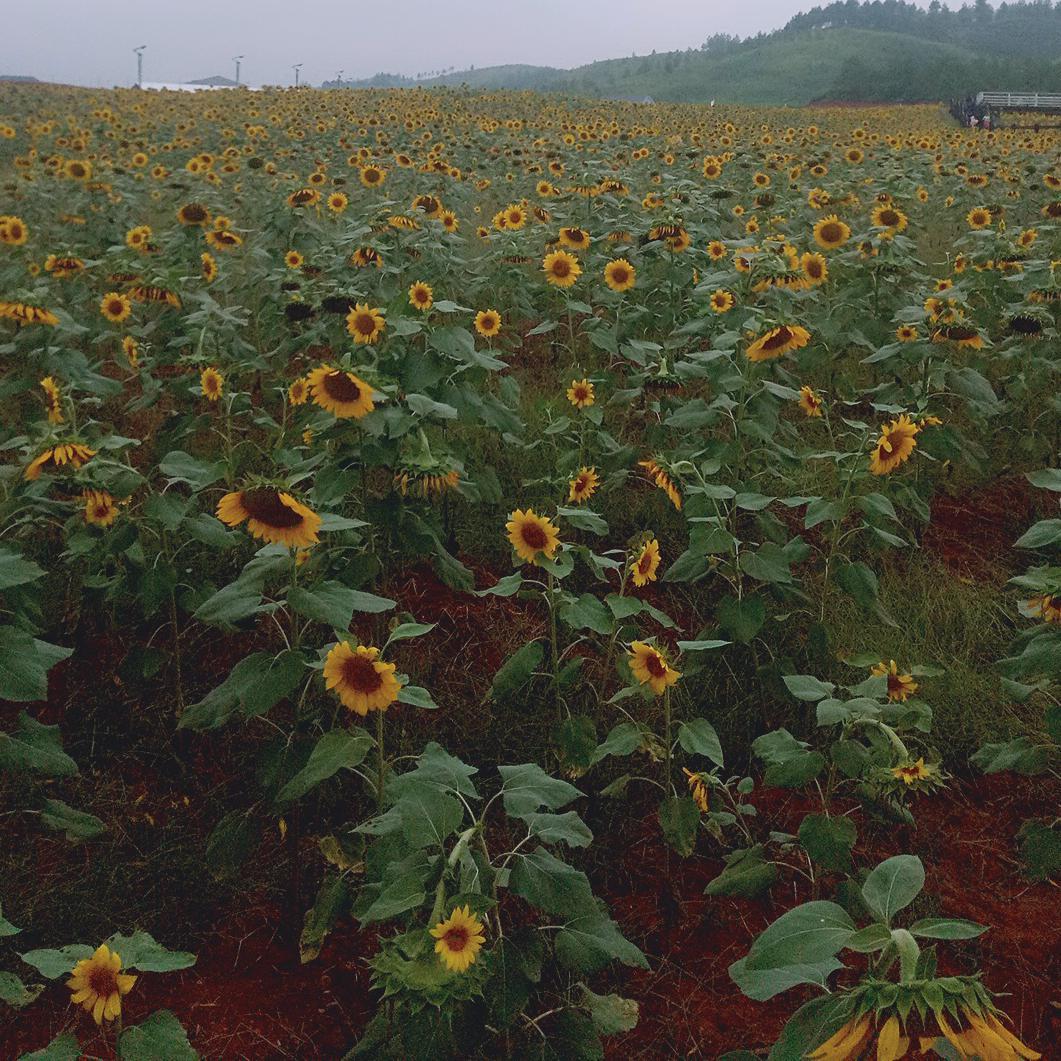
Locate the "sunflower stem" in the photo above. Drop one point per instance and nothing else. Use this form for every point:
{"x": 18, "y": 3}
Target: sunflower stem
{"x": 551, "y": 597}
{"x": 381, "y": 774}
{"x": 667, "y": 740}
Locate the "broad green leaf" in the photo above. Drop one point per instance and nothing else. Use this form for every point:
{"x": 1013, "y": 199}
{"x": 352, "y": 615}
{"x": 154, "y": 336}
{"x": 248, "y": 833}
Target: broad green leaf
{"x": 567, "y": 828}
{"x": 611, "y": 1014}
{"x": 698, "y": 737}
{"x": 894, "y": 884}
{"x": 588, "y": 613}
{"x": 35, "y": 746}
{"x": 517, "y": 670}
{"x": 24, "y": 664}
{"x": 763, "y": 984}
{"x": 417, "y": 696}
{"x": 741, "y": 618}
{"x": 1021, "y": 755}
{"x": 333, "y": 898}
{"x": 64, "y": 1047}
{"x": 77, "y": 825}
{"x": 15, "y": 993}
{"x": 828, "y": 841}
{"x": 338, "y": 749}
{"x": 946, "y": 928}
{"x": 141, "y": 952}
{"x": 1040, "y": 849}
{"x": 181, "y": 467}
{"x": 1040, "y": 535}
{"x": 807, "y": 687}
{"x": 747, "y": 874}
{"x": 331, "y": 603}
{"x": 623, "y": 739}
{"x": 551, "y": 885}
{"x": 16, "y": 570}
{"x": 588, "y": 941}
{"x": 527, "y": 787}
{"x": 54, "y": 963}
{"x": 806, "y": 935}
{"x": 679, "y": 818}
{"x": 159, "y": 1038}
{"x": 369, "y": 602}
{"x": 231, "y": 842}
{"x": 405, "y": 631}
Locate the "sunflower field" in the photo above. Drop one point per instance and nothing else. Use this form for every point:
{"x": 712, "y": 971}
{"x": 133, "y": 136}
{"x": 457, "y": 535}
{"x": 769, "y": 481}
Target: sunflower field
{"x": 513, "y": 576}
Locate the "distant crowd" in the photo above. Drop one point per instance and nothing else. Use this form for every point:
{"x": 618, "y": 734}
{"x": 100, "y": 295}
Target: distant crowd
{"x": 971, "y": 114}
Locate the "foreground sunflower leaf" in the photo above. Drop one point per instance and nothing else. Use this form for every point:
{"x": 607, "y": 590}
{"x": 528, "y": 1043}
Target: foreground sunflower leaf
{"x": 611, "y": 1014}
{"x": 15, "y": 993}
{"x": 24, "y": 664}
{"x": 141, "y": 952}
{"x": 76, "y": 825}
{"x": 337, "y": 750}
{"x": 806, "y": 935}
{"x": 159, "y": 1038}
{"x": 64, "y": 1047}
{"x": 764, "y": 984}
{"x": 35, "y": 746}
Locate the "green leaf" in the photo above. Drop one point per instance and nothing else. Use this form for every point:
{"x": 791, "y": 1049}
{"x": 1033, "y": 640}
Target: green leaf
{"x": 701, "y": 646}
{"x": 268, "y": 686}
{"x": 159, "y": 1038}
{"x": 551, "y": 885}
{"x": 587, "y": 613}
{"x": 141, "y": 952}
{"x": 590, "y": 940}
{"x": 946, "y": 928}
{"x": 15, "y": 993}
{"x": 369, "y": 602}
{"x": 1040, "y": 535}
{"x": 769, "y": 564}
{"x": 1021, "y": 756}
{"x": 805, "y": 935}
{"x": 611, "y": 1014}
{"x": 679, "y": 818}
{"x": 567, "y": 828}
{"x": 811, "y": 1025}
{"x": 763, "y": 984}
{"x": 15, "y": 570}
{"x": 331, "y": 603}
{"x": 1040, "y": 848}
{"x": 428, "y": 817}
{"x": 894, "y": 884}
{"x": 219, "y": 704}
{"x": 742, "y": 618}
{"x": 417, "y": 696}
{"x": 231, "y": 843}
{"x": 584, "y": 519}
{"x": 338, "y": 749}
{"x": 698, "y": 737}
{"x": 64, "y": 1047}
{"x": 872, "y": 938}
{"x": 180, "y": 467}
{"x": 516, "y": 671}
{"x": 333, "y": 898}
{"x": 860, "y": 583}
{"x": 623, "y": 739}
{"x": 406, "y": 631}
{"x": 55, "y": 963}
{"x": 807, "y": 687}
{"x": 232, "y": 603}
{"x": 34, "y": 746}
{"x": 828, "y": 841}
{"x": 76, "y": 824}
{"x": 24, "y": 664}
{"x": 1046, "y": 479}
{"x": 527, "y": 787}
{"x": 747, "y": 874}
{"x": 691, "y": 565}
{"x": 577, "y": 737}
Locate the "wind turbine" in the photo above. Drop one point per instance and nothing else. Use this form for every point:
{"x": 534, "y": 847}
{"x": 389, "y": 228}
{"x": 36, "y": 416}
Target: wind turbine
{"x": 296, "y": 67}
{"x": 140, "y": 65}
{"x": 236, "y": 59}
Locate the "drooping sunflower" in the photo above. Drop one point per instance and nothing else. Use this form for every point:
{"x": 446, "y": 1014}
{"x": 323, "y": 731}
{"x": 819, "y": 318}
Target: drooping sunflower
{"x": 777, "y": 342}
{"x": 212, "y": 383}
{"x": 561, "y": 268}
{"x": 421, "y": 296}
{"x": 100, "y": 509}
{"x": 365, "y": 323}
{"x": 910, "y": 773}
{"x": 192, "y": 214}
{"x": 97, "y": 984}
{"x": 644, "y": 566}
{"x": 810, "y": 402}
{"x": 271, "y": 515}
{"x": 531, "y": 535}
{"x": 1046, "y": 606}
{"x": 698, "y": 790}
{"x": 583, "y": 486}
{"x": 900, "y": 686}
{"x": 209, "y": 266}
{"x": 830, "y": 232}
{"x": 620, "y": 275}
{"x": 342, "y": 394}
{"x": 52, "y": 400}
{"x": 115, "y": 307}
{"x": 459, "y": 938}
{"x": 581, "y": 393}
{"x": 131, "y": 349}
{"x": 721, "y": 301}
{"x": 660, "y": 478}
{"x": 578, "y": 239}
{"x": 55, "y": 458}
{"x": 488, "y": 323}
{"x": 896, "y": 443}
{"x": 650, "y": 667}
{"x": 361, "y": 680}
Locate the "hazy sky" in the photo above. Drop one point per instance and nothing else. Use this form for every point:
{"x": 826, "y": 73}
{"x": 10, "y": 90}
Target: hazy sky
{"x": 90, "y": 42}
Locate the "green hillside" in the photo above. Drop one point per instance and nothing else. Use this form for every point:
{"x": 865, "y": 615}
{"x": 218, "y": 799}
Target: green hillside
{"x": 886, "y": 51}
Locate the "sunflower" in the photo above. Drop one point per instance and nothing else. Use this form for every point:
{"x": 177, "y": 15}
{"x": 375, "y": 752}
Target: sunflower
{"x": 78, "y": 169}
{"x": 906, "y": 333}
{"x": 488, "y": 323}
{"x": 131, "y": 349}
{"x": 778, "y": 342}
{"x": 830, "y": 233}
{"x": 115, "y": 307}
{"x": 13, "y": 231}
{"x": 721, "y": 301}
{"x": 712, "y": 168}
{"x": 372, "y": 176}
{"x": 1046, "y": 607}
{"x": 97, "y": 984}
{"x": 810, "y": 402}
{"x": 815, "y": 268}
{"x": 619, "y": 275}
{"x": 365, "y": 256}
{"x": 337, "y": 202}
{"x": 888, "y": 217}
{"x": 298, "y": 392}
{"x": 421, "y": 296}
{"x": 211, "y": 382}
{"x": 661, "y": 479}
{"x": 644, "y": 566}
{"x": 581, "y": 394}
{"x": 531, "y": 534}
{"x": 513, "y": 217}
{"x": 910, "y": 773}
{"x": 74, "y": 454}
{"x": 895, "y": 445}
{"x": 960, "y": 335}
{"x": 361, "y": 680}
{"x": 365, "y": 323}
{"x": 650, "y": 667}
{"x": 561, "y": 269}
{"x": 577, "y": 239}
{"x": 900, "y": 686}
{"x": 716, "y": 250}
{"x": 100, "y": 509}
{"x": 271, "y": 515}
{"x": 293, "y": 260}
{"x": 138, "y": 238}
{"x": 341, "y": 393}
{"x": 193, "y": 214}
{"x": 698, "y": 790}
{"x": 979, "y": 217}
{"x": 583, "y": 486}
{"x": 52, "y": 400}
{"x": 208, "y": 266}
{"x": 459, "y": 939}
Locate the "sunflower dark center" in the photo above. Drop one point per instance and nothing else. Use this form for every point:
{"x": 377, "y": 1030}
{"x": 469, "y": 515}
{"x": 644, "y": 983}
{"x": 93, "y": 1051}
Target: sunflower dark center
{"x": 561, "y": 267}
{"x": 361, "y": 675}
{"x": 341, "y": 387}
{"x": 365, "y": 323}
{"x": 655, "y": 665}
{"x": 265, "y": 506}
{"x": 889, "y": 217}
{"x": 102, "y": 981}
{"x": 778, "y": 339}
{"x": 456, "y": 938}
{"x": 534, "y": 536}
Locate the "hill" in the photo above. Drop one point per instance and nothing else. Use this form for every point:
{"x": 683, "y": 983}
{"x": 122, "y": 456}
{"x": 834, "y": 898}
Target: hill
{"x": 886, "y": 51}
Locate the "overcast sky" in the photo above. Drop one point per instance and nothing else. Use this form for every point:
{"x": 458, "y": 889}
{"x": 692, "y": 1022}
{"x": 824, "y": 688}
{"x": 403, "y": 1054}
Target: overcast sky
{"x": 90, "y": 42}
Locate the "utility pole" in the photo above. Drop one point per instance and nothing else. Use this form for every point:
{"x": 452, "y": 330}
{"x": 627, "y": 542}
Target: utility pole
{"x": 296, "y": 68}
{"x": 236, "y": 59}
{"x": 140, "y": 65}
